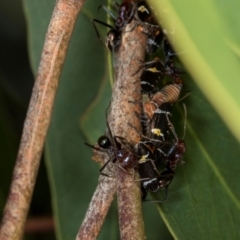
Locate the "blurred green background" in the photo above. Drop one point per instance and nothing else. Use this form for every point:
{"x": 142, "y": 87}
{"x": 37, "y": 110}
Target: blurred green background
{"x": 16, "y": 82}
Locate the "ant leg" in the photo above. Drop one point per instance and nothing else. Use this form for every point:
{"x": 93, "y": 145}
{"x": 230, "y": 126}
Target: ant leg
{"x": 107, "y": 11}
{"x": 134, "y": 8}
{"x": 142, "y": 136}
{"x": 185, "y": 120}
{"x": 105, "y": 164}
{"x": 172, "y": 128}
{"x": 136, "y": 102}
{"x": 116, "y": 5}
{"x": 163, "y": 200}
{"x": 141, "y": 179}
{"x": 123, "y": 169}
{"x": 94, "y": 21}
{"x": 98, "y": 149}
{"x": 154, "y": 201}
{"x": 102, "y": 23}
{"x": 186, "y": 95}
{"x": 112, "y": 139}
{"x": 138, "y": 69}
{"x": 161, "y": 151}
{"x": 145, "y": 64}
{"x": 154, "y": 166}
{"x": 156, "y": 59}
{"x": 166, "y": 192}
{"x": 144, "y": 193}
{"x": 145, "y": 137}
{"x": 106, "y": 175}
{"x": 124, "y": 142}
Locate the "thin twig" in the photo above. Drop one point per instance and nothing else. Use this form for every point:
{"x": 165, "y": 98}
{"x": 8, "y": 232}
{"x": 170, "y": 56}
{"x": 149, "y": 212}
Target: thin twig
{"x": 97, "y": 209}
{"x": 127, "y": 90}
{"x": 38, "y": 117}
{"x": 42, "y": 224}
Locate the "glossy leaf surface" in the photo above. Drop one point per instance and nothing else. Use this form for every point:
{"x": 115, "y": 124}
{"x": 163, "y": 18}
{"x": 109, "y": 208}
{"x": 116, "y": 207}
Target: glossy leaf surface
{"x": 206, "y": 37}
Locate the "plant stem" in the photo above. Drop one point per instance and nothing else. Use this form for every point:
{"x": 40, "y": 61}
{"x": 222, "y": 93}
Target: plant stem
{"x": 38, "y": 118}
{"x": 125, "y": 104}
{"x": 97, "y": 209}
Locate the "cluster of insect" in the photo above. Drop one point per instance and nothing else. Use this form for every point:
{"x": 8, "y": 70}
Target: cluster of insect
{"x": 159, "y": 150}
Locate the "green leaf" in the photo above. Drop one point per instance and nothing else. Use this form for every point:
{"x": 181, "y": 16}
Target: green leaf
{"x": 204, "y": 197}
{"x": 206, "y": 35}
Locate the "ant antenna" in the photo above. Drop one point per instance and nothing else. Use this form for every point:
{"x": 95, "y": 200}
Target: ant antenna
{"x": 116, "y": 5}
{"x": 94, "y": 21}
{"x": 107, "y": 11}
{"x": 186, "y": 95}
{"x": 185, "y": 120}
{"x": 172, "y": 128}
{"x": 112, "y": 139}
{"x": 108, "y": 127}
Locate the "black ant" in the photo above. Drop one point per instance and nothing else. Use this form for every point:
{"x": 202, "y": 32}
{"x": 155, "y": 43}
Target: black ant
{"x": 153, "y": 152}
{"x": 161, "y": 181}
{"x": 175, "y": 154}
{"x": 153, "y": 74}
{"x": 113, "y": 38}
{"x": 151, "y": 179}
{"x": 173, "y": 157}
{"x": 126, "y": 12}
{"x": 170, "y": 54}
{"x": 149, "y": 27}
{"x": 125, "y": 157}
{"x": 125, "y": 15}
{"x": 154, "y": 37}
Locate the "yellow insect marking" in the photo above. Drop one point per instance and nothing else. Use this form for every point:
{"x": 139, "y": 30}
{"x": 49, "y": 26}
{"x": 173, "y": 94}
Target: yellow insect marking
{"x": 154, "y": 69}
{"x": 143, "y": 159}
{"x": 143, "y": 9}
{"x": 157, "y": 131}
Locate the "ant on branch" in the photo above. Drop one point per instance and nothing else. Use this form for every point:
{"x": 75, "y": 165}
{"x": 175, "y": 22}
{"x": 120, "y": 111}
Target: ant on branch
{"x": 120, "y": 152}
{"x": 173, "y": 157}
{"x": 125, "y": 14}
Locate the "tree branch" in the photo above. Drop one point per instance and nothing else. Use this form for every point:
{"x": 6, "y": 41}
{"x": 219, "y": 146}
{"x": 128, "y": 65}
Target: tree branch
{"x": 97, "y": 209}
{"x": 126, "y": 94}
{"x": 38, "y": 117}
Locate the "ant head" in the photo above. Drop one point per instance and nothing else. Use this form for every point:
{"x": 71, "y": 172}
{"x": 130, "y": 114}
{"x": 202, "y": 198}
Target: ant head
{"x": 104, "y": 142}
{"x": 125, "y": 11}
{"x": 181, "y": 146}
